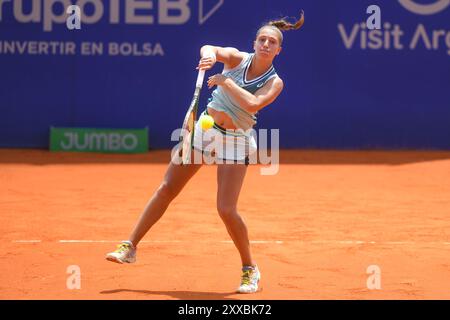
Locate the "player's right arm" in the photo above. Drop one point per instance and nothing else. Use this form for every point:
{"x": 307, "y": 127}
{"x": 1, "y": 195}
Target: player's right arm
{"x": 230, "y": 57}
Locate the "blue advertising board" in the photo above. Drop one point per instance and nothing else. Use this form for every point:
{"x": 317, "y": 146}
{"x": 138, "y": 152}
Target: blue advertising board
{"x": 132, "y": 65}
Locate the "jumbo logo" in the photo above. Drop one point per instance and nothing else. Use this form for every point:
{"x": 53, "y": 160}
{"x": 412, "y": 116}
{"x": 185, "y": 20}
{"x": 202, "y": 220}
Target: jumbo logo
{"x": 143, "y": 12}
{"x": 425, "y": 9}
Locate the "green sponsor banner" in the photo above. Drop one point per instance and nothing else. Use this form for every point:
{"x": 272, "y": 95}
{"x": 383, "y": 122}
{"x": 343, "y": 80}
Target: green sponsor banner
{"x": 99, "y": 140}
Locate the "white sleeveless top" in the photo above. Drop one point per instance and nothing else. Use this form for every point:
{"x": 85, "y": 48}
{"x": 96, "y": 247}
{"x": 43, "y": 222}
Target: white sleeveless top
{"x": 221, "y": 101}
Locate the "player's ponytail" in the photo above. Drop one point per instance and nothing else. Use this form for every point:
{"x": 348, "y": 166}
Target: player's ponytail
{"x": 284, "y": 25}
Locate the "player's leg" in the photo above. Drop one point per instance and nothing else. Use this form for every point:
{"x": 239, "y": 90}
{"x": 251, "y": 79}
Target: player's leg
{"x": 229, "y": 182}
{"x": 230, "y": 178}
{"x": 174, "y": 180}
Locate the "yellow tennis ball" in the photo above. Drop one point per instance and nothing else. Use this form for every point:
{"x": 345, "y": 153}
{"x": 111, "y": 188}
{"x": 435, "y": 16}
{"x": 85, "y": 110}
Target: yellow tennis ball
{"x": 206, "y": 122}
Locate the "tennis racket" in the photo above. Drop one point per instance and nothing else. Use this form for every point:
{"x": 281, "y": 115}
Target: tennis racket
{"x": 187, "y": 133}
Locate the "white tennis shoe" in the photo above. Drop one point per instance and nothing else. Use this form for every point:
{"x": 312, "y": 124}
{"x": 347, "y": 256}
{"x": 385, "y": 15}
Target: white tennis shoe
{"x": 249, "y": 280}
{"x": 125, "y": 253}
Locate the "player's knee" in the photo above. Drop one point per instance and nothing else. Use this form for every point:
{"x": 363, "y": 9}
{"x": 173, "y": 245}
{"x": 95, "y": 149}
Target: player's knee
{"x": 226, "y": 212}
{"x": 166, "y": 191}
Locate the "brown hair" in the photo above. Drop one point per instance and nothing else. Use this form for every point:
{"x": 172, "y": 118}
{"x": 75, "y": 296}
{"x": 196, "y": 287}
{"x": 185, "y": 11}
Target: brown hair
{"x": 284, "y": 25}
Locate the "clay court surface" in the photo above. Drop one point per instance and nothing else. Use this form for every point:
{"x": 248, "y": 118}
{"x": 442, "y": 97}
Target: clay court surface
{"x": 315, "y": 227}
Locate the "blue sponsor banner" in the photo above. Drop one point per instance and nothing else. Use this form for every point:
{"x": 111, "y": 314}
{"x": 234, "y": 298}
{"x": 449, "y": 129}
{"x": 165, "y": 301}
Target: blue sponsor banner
{"x": 132, "y": 65}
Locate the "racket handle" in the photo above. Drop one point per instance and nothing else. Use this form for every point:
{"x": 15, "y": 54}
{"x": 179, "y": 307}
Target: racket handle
{"x": 200, "y": 78}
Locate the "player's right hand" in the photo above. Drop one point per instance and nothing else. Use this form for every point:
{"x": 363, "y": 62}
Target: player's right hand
{"x": 206, "y": 63}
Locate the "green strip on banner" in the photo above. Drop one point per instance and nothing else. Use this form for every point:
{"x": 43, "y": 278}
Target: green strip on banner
{"x": 99, "y": 140}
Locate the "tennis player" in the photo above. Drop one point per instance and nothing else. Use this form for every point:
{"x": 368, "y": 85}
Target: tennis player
{"x": 247, "y": 84}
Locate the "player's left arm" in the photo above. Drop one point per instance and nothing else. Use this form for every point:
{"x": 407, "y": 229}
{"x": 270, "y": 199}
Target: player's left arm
{"x": 250, "y": 102}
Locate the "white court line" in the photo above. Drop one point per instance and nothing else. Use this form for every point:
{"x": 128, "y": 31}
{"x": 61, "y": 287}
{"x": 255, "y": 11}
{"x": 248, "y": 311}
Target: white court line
{"x": 368, "y": 242}
{"x": 117, "y": 241}
{"x": 343, "y": 242}
{"x": 162, "y": 241}
{"x": 256, "y": 241}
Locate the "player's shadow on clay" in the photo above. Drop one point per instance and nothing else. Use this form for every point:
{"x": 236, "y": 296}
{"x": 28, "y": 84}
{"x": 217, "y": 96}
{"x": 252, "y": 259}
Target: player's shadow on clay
{"x": 181, "y": 295}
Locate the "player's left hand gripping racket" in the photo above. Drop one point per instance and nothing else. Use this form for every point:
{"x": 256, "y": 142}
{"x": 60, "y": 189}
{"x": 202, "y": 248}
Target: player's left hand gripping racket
{"x": 187, "y": 134}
